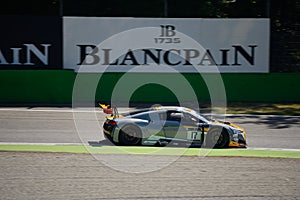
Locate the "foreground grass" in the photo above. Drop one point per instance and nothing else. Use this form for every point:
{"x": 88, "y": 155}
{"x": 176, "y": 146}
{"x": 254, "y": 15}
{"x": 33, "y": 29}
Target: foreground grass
{"x": 153, "y": 151}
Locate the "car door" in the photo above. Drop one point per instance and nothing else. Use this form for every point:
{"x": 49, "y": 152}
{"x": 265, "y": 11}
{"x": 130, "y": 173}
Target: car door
{"x": 173, "y": 127}
{"x": 154, "y": 126}
{"x": 191, "y": 125}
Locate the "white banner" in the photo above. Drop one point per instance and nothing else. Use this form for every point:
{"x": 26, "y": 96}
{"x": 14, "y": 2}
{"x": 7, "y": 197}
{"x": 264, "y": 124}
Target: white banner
{"x": 93, "y": 44}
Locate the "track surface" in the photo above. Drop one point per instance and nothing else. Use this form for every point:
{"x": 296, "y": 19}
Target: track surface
{"x": 70, "y": 176}
{"x": 81, "y": 176}
{"x": 48, "y": 125}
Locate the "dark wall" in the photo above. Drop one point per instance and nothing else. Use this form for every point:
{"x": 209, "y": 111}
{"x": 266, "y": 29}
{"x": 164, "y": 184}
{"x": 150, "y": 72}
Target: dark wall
{"x": 23, "y": 38}
{"x": 284, "y": 15}
{"x": 30, "y": 7}
{"x": 285, "y": 36}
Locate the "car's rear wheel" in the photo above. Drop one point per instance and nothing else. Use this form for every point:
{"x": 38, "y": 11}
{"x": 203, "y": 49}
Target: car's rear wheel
{"x": 217, "y": 138}
{"x": 130, "y": 135}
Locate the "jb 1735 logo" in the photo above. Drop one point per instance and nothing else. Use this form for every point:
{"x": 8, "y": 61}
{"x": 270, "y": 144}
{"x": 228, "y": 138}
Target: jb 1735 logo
{"x": 167, "y": 35}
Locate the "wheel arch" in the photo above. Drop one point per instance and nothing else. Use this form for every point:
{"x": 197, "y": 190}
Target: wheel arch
{"x": 128, "y": 125}
{"x": 222, "y": 129}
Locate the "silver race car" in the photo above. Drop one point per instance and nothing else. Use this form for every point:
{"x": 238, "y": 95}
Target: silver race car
{"x": 161, "y": 125}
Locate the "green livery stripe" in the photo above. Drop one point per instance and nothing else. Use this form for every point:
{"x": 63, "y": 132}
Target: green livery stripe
{"x": 172, "y": 151}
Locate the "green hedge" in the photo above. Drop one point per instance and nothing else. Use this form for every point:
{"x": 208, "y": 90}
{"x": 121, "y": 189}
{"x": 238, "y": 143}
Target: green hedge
{"x": 56, "y": 87}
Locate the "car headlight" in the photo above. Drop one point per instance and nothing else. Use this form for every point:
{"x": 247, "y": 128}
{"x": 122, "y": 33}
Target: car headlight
{"x": 236, "y": 133}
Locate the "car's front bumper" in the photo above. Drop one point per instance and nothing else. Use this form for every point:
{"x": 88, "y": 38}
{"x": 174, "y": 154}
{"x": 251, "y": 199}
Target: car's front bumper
{"x": 238, "y": 140}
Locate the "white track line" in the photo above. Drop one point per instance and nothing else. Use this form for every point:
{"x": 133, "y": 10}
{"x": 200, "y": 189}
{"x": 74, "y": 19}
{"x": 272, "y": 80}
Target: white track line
{"x": 44, "y": 144}
{"x": 253, "y": 115}
{"x": 43, "y": 110}
{"x": 100, "y": 111}
{"x": 272, "y": 149}
{"x": 86, "y": 144}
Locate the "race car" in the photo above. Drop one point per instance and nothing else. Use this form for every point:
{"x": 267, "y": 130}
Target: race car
{"x": 164, "y": 125}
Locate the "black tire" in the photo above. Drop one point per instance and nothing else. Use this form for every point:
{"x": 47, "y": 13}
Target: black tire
{"x": 217, "y": 138}
{"x": 130, "y": 135}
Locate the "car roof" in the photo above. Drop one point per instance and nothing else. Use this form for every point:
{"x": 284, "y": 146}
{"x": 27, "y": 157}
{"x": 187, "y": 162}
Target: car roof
{"x": 176, "y": 108}
{"x": 168, "y": 108}
{"x": 159, "y": 109}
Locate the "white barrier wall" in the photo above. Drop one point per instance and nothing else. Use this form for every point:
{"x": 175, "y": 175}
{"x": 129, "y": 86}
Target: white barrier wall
{"x": 93, "y": 44}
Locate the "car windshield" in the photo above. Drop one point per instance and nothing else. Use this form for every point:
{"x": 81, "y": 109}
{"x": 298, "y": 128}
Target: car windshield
{"x": 126, "y": 114}
{"x": 200, "y": 117}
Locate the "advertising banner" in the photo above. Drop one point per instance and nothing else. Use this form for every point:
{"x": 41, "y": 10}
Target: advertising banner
{"x": 30, "y": 42}
{"x": 94, "y": 44}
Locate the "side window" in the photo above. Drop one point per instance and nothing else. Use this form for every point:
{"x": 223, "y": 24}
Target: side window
{"x": 174, "y": 116}
{"x": 144, "y": 117}
{"x": 163, "y": 116}
{"x": 188, "y": 118}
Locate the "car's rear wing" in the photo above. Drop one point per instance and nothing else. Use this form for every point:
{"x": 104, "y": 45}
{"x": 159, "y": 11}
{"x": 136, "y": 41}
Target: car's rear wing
{"x": 108, "y": 109}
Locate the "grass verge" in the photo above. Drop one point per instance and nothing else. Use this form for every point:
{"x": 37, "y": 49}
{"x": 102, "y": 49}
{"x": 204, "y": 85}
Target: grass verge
{"x": 153, "y": 151}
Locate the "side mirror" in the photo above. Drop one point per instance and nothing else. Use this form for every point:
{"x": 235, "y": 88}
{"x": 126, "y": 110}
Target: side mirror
{"x": 203, "y": 125}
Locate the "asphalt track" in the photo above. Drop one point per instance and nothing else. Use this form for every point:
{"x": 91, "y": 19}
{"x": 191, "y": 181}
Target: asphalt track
{"x": 25, "y": 175}
{"x": 66, "y": 125}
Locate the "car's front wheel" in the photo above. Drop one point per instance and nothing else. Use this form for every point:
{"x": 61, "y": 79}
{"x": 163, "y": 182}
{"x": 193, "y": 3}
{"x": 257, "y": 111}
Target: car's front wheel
{"x": 217, "y": 138}
{"x": 130, "y": 135}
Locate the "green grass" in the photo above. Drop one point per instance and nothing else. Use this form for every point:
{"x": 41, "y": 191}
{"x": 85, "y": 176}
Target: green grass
{"x": 172, "y": 151}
